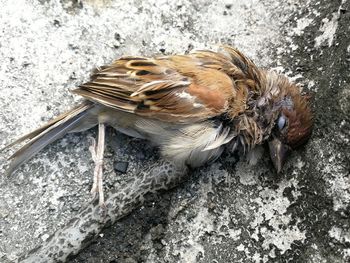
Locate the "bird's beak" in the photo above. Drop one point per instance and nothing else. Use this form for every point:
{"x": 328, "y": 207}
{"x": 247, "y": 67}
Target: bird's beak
{"x": 278, "y": 153}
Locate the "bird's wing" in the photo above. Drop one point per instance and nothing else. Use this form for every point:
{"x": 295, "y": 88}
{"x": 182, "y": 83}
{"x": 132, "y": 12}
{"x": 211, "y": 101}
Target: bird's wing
{"x": 180, "y": 88}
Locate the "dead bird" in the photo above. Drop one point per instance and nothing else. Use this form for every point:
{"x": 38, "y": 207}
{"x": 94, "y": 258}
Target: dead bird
{"x": 193, "y": 107}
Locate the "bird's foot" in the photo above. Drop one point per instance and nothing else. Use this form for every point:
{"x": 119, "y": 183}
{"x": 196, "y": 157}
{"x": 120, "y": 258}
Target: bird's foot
{"x": 97, "y": 151}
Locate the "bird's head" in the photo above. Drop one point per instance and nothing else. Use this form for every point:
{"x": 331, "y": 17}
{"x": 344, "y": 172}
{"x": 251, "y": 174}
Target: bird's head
{"x": 293, "y": 121}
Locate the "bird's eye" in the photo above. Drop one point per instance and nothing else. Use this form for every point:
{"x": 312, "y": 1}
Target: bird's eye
{"x": 281, "y": 123}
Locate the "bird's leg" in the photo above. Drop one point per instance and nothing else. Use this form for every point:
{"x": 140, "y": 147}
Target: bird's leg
{"x": 97, "y": 155}
{"x": 92, "y": 150}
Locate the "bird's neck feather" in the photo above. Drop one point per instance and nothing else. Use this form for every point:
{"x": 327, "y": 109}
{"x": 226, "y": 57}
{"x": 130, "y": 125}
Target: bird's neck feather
{"x": 254, "y": 124}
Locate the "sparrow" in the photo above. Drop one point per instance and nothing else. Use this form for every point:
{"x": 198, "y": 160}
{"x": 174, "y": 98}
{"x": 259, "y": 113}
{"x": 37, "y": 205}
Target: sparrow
{"x": 193, "y": 107}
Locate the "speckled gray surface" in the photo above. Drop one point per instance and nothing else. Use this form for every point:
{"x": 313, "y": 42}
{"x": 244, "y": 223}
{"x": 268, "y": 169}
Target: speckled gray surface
{"x": 226, "y": 212}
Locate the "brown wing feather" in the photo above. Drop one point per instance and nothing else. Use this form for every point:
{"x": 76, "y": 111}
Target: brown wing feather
{"x": 180, "y": 88}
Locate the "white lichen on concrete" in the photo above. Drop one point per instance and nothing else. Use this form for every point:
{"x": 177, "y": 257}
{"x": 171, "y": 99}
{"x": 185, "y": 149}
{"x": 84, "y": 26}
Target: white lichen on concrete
{"x": 266, "y": 215}
{"x": 272, "y": 210}
{"x": 338, "y": 185}
{"x": 302, "y": 23}
{"x": 339, "y": 234}
{"x": 328, "y": 28}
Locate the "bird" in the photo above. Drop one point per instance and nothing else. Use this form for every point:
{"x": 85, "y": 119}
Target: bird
{"x": 193, "y": 107}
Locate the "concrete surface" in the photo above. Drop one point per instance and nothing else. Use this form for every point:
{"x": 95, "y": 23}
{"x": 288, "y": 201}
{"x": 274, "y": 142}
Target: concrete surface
{"x": 226, "y": 212}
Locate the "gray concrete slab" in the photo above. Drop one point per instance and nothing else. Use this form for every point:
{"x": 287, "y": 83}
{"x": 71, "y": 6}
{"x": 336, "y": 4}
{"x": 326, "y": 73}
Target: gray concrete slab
{"x": 226, "y": 212}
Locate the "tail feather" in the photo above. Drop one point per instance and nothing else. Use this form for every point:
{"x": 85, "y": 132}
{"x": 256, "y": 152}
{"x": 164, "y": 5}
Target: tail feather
{"x": 47, "y": 134}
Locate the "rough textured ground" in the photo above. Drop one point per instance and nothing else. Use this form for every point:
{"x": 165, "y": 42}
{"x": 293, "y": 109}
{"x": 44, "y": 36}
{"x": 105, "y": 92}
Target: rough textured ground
{"x": 226, "y": 212}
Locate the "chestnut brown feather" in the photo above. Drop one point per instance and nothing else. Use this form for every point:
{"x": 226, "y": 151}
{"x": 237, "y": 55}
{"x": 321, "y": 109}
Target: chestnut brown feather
{"x": 300, "y": 121}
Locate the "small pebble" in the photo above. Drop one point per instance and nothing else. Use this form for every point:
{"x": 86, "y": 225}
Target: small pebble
{"x": 121, "y": 167}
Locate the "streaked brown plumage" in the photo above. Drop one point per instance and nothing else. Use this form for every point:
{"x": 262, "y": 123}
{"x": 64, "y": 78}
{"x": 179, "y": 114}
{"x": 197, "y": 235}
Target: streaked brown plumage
{"x": 192, "y": 106}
